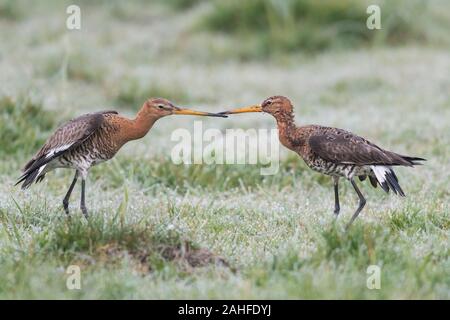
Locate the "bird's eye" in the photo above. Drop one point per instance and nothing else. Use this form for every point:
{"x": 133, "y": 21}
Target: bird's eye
{"x": 161, "y": 106}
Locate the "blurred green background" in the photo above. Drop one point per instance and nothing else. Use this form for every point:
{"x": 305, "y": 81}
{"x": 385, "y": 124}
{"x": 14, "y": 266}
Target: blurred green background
{"x": 277, "y": 233}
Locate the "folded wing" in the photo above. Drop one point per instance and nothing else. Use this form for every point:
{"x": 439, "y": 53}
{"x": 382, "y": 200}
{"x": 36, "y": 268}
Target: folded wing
{"x": 68, "y": 136}
{"x": 342, "y": 147}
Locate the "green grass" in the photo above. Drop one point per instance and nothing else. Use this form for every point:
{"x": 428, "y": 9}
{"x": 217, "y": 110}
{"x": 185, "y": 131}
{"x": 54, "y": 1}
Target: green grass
{"x": 160, "y": 261}
{"x": 267, "y": 27}
{"x": 10, "y": 10}
{"x": 162, "y": 172}
{"x": 161, "y": 230}
{"x": 182, "y": 4}
{"x": 24, "y": 126}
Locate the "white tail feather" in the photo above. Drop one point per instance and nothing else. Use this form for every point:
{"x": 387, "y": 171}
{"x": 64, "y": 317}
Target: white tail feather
{"x": 40, "y": 170}
{"x": 380, "y": 172}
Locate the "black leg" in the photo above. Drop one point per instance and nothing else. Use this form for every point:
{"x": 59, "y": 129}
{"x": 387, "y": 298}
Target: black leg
{"x": 362, "y": 203}
{"x": 337, "y": 208}
{"x": 69, "y": 192}
{"x": 82, "y": 203}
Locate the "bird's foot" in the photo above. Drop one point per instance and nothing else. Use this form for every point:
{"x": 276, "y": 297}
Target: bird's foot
{"x": 85, "y": 212}
{"x": 336, "y": 212}
{"x": 66, "y": 208}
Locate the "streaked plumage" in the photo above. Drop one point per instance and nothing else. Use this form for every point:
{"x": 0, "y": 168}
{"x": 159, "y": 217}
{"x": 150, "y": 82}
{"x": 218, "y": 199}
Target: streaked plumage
{"x": 77, "y": 144}
{"x": 335, "y": 152}
{"x": 94, "y": 138}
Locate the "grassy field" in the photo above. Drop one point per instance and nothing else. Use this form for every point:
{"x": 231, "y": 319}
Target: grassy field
{"x": 160, "y": 230}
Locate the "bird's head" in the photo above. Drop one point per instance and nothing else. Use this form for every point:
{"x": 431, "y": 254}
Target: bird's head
{"x": 278, "y": 106}
{"x": 160, "y": 107}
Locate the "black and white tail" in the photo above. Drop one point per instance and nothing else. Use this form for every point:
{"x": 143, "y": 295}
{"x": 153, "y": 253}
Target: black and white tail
{"x": 30, "y": 176}
{"x": 386, "y": 176}
{"x": 387, "y": 179}
{"x": 35, "y": 169}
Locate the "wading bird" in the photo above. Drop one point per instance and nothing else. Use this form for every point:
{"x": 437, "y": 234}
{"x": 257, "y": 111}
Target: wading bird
{"x": 94, "y": 138}
{"x": 335, "y": 152}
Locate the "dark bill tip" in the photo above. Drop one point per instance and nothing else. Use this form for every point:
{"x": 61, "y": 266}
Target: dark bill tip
{"x": 218, "y": 115}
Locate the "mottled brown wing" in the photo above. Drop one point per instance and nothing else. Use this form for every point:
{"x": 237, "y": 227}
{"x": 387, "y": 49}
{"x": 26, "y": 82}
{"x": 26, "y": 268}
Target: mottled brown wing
{"x": 340, "y": 146}
{"x": 67, "y": 136}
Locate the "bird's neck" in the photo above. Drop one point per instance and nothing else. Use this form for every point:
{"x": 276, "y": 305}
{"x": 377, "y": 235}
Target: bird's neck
{"x": 285, "y": 122}
{"x": 139, "y": 126}
{"x": 287, "y": 130}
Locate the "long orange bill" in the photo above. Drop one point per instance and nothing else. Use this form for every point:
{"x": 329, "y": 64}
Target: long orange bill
{"x": 253, "y": 108}
{"x": 198, "y": 113}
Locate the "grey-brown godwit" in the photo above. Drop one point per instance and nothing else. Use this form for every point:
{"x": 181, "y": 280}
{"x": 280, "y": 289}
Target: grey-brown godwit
{"x": 94, "y": 138}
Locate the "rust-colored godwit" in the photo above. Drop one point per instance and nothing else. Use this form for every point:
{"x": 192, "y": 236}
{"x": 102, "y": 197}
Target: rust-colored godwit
{"x": 335, "y": 152}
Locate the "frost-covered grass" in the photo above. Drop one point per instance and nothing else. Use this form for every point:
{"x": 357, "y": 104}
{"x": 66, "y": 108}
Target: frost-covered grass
{"x": 160, "y": 230}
